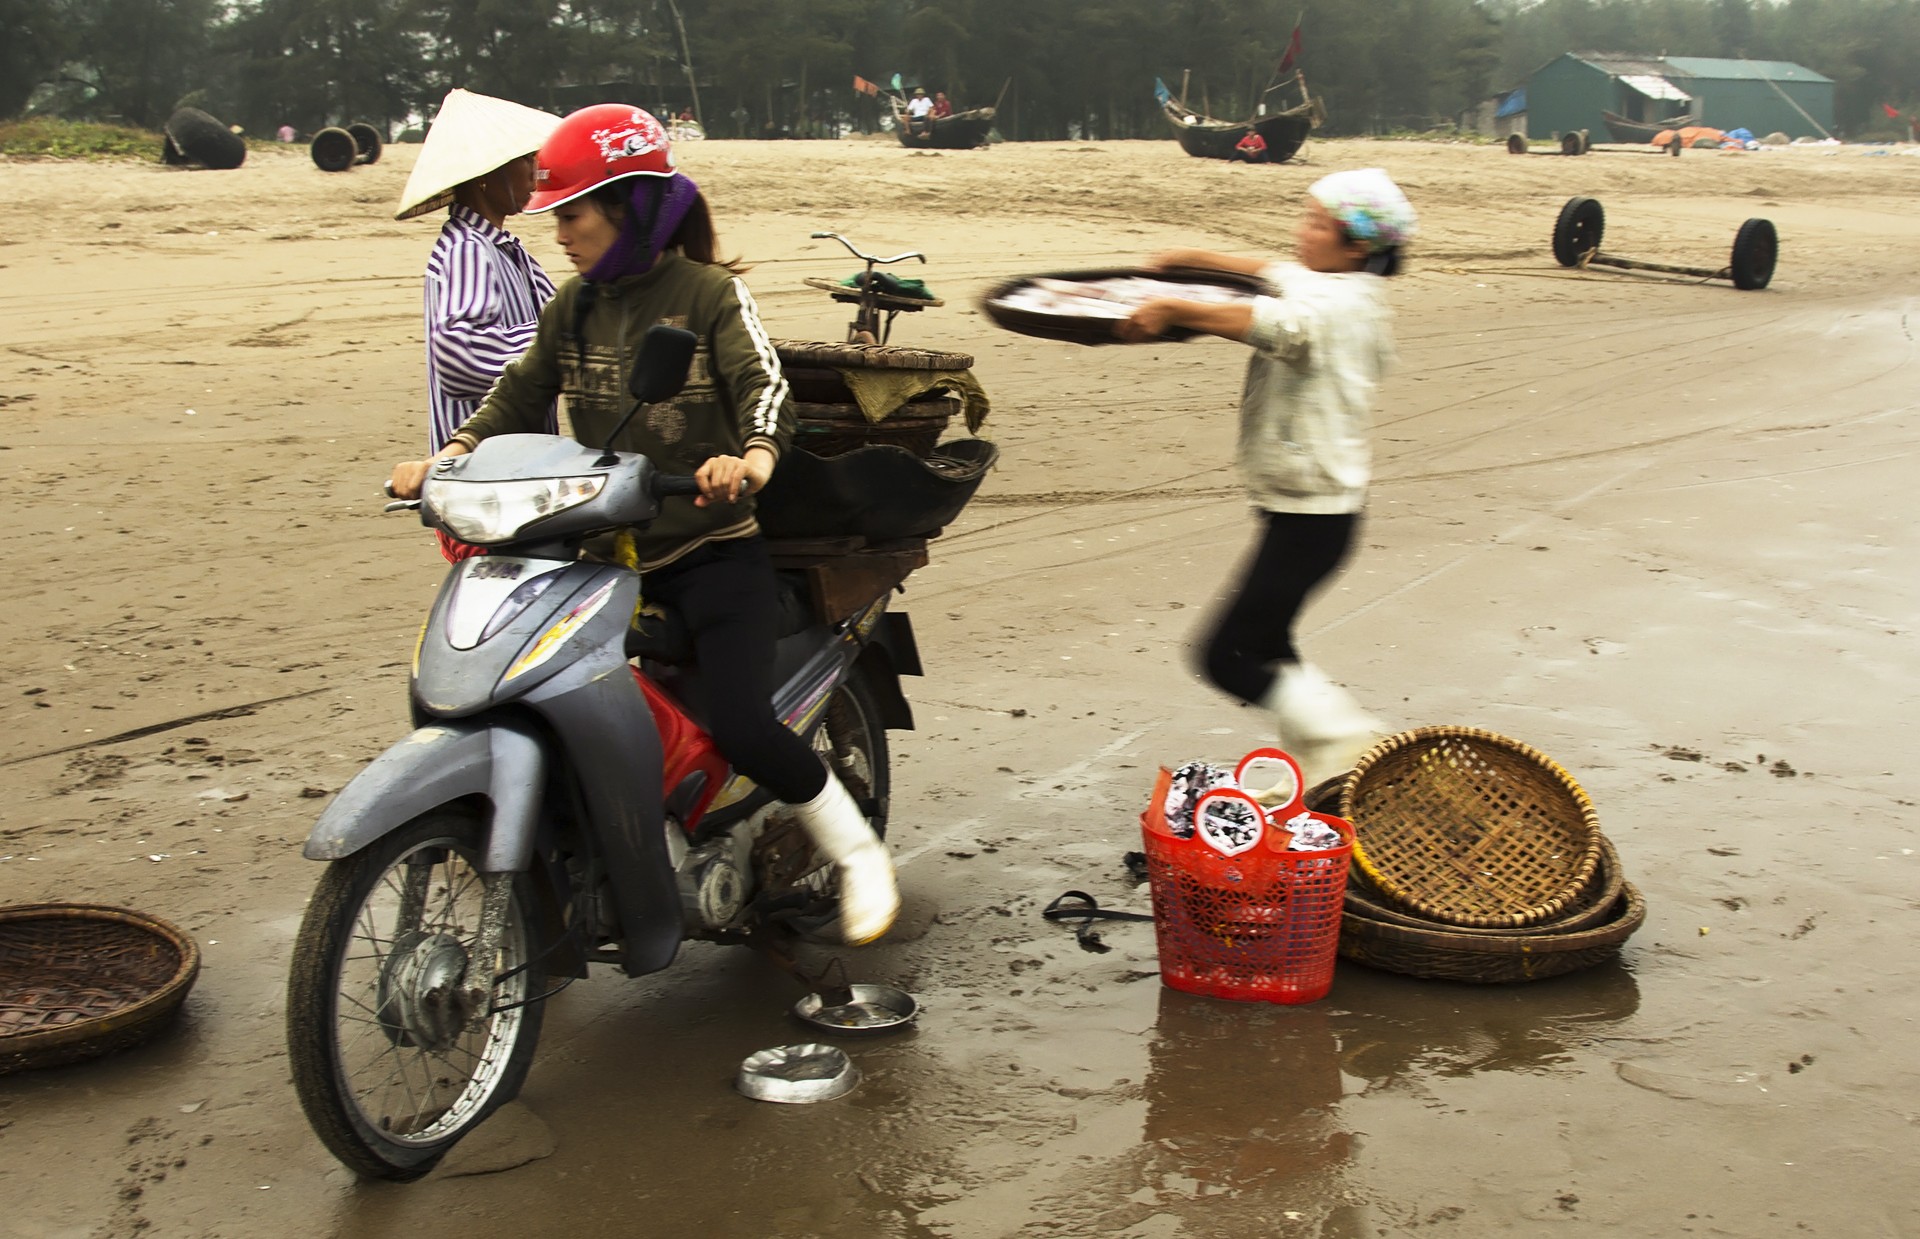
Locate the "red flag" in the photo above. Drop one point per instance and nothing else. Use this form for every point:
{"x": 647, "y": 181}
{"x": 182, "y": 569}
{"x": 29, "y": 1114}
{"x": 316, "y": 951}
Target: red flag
{"x": 865, "y": 87}
{"x": 1293, "y": 50}
{"x": 1890, "y": 110}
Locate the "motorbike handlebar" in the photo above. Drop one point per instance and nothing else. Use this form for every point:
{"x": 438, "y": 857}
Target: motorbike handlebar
{"x": 668, "y": 484}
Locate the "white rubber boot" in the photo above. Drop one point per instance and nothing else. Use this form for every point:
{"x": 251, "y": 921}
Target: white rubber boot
{"x": 1319, "y": 722}
{"x": 869, "y": 898}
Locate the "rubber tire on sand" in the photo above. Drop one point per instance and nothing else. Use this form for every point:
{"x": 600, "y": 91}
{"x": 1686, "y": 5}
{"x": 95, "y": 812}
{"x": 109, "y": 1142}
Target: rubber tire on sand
{"x": 333, "y": 150}
{"x": 1516, "y": 144}
{"x": 202, "y": 139}
{"x": 1581, "y": 224}
{"x": 366, "y": 139}
{"x": 326, "y": 932}
{"x": 1755, "y": 249}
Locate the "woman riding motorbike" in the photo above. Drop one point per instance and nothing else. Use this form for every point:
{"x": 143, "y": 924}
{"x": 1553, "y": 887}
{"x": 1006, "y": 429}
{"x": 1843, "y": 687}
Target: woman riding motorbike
{"x": 640, "y": 234}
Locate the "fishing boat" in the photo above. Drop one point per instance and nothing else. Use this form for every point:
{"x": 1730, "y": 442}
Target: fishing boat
{"x": 1624, "y": 130}
{"x": 961, "y": 131}
{"x": 1284, "y": 132}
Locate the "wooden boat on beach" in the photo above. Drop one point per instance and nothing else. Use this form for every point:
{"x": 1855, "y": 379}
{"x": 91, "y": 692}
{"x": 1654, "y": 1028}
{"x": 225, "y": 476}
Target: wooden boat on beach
{"x": 1624, "y": 130}
{"x": 961, "y": 131}
{"x": 1204, "y": 137}
{"x": 1207, "y": 138}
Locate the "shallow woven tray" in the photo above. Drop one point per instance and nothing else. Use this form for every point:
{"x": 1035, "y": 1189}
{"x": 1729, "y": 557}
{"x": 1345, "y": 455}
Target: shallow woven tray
{"x": 1076, "y": 330}
{"x": 1450, "y": 955}
{"x": 1468, "y": 827}
{"x": 80, "y": 980}
{"x": 868, "y": 356}
{"x": 1594, "y": 905}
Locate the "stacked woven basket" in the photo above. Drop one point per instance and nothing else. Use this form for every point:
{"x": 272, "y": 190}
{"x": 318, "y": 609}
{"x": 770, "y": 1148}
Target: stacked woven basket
{"x": 1476, "y": 858}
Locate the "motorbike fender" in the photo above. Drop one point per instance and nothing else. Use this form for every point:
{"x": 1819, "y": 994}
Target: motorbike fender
{"x": 891, "y": 653}
{"x": 436, "y": 765}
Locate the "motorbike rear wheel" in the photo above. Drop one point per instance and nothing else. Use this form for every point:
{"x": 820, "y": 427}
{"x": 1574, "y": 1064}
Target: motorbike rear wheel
{"x": 389, "y": 1067}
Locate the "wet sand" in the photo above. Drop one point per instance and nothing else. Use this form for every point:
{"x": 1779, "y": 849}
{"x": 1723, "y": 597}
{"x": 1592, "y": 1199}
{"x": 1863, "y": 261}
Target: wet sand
{"x": 1657, "y": 528}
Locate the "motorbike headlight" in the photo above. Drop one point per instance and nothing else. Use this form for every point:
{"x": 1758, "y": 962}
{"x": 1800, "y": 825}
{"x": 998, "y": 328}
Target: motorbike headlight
{"x": 487, "y": 512}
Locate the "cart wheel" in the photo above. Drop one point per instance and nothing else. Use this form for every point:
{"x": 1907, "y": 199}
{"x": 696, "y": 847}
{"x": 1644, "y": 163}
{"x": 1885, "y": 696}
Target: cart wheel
{"x": 1572, "y": 144}
{"x": 333, "y": 150}
{"x": 366, "y": 140}
{"x": 1516, "y": 144}
{"x": 1755, "y": 247}
{"x": 1577, "y": 230}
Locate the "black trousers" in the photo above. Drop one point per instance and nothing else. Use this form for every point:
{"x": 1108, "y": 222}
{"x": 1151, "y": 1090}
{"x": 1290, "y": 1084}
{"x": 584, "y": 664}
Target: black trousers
{"x": 727, "y": 594}
{"x": 1253, "y": 631}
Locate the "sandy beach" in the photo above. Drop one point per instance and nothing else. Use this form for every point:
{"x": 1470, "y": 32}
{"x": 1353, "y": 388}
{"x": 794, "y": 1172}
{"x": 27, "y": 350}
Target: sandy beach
{"x": 1658, "y": 528}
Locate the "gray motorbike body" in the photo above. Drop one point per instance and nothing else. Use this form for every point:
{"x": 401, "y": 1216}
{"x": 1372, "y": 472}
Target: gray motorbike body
{"x": 484, "y": 733}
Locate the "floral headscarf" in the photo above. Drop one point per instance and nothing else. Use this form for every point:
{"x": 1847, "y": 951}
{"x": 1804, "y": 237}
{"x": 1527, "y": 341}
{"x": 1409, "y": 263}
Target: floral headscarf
{"x": 1369, "y": 206}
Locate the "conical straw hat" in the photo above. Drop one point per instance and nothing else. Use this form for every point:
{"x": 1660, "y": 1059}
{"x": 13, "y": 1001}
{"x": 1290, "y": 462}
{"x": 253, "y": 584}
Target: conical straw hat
{"x": 471, "y": 136}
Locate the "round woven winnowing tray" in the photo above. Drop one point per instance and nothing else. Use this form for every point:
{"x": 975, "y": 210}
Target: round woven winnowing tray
{"x": 80, "y": 980}
{"x": 1468, "y": 827}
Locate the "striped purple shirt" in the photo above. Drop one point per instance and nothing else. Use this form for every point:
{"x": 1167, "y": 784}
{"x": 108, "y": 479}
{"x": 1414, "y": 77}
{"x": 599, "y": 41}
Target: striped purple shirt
{"x": 484, "y": 295}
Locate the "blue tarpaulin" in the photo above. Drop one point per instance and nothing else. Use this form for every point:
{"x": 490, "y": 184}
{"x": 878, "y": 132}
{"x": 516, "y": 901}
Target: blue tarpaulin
{"x": 1514, "y": 104}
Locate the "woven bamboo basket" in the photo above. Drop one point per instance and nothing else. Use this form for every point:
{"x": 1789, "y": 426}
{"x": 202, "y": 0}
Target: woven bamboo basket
{"x": 828, "y": 419}
{"x": 81, "y": 980}
{"x": 1595, "y": 904}
{"x": 835, "y": 429}
{"x": 832, "y": 353}
{"x": 1468, "y": 827}
{"x": 1452, "y": 955}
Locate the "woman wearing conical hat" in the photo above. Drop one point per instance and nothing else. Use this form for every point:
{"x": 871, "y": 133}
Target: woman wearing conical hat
{"x": 484, "y": 292}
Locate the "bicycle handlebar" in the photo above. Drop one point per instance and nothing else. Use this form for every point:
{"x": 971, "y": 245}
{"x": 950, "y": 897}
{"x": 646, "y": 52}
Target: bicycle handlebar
{"x": 823, "y": 236}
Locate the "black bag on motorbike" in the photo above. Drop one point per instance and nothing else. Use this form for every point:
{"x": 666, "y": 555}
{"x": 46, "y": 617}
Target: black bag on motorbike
{"x": 877, "y": 492}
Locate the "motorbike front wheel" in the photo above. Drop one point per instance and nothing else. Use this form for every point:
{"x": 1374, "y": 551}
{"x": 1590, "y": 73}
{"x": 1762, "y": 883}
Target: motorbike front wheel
{"x": 391, "y": 1064}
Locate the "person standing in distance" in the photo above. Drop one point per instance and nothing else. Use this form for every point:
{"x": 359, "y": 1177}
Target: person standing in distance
{"x": 484, "y": 292}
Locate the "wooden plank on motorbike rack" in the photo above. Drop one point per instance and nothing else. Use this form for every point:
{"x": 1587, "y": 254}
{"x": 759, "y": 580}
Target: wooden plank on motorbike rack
{"x": 806, "y": 552}
{"x": 843, "y": 585}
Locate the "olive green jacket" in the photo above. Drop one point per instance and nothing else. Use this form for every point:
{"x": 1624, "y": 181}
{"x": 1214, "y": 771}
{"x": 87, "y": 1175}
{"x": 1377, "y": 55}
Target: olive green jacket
{"x": 735, "y": 397}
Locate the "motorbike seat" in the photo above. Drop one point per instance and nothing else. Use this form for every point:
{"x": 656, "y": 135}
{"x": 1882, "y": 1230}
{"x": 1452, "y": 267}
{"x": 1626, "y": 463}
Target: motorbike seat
{"x": 660, "y": 634}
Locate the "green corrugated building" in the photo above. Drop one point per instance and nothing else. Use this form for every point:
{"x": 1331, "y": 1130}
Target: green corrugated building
{"x": 1766, "y": 96}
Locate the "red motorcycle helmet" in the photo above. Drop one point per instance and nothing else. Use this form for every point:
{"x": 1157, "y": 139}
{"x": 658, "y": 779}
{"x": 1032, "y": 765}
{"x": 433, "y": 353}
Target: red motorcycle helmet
{"x": 598, "y": 144}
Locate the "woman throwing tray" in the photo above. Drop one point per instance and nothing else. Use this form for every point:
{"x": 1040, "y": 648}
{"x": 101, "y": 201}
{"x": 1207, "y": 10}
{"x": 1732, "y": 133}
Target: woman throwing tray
{"x": 639, "y": 233}
{"x": 1321, "y": 343}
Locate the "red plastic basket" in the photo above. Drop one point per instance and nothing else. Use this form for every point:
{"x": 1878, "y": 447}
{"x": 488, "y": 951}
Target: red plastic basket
{"x": 1259, "y": 926}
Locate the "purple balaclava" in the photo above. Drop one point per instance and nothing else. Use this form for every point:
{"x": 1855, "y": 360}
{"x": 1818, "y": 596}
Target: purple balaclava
{"x": 655, "y": 206}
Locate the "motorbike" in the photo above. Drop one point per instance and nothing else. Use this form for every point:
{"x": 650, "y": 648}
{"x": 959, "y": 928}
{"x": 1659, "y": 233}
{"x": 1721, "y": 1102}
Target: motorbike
{"x": 557, "y": 804}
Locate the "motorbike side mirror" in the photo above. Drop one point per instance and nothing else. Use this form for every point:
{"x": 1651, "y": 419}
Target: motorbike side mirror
{"x": 659, "y": 372}
{"x": 666, "y": 354}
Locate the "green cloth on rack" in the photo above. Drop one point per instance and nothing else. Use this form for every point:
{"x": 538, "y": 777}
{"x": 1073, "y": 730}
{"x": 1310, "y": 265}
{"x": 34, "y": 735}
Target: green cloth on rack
{"x": 892, "y": 285}
{"x": 883, "y": 392}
